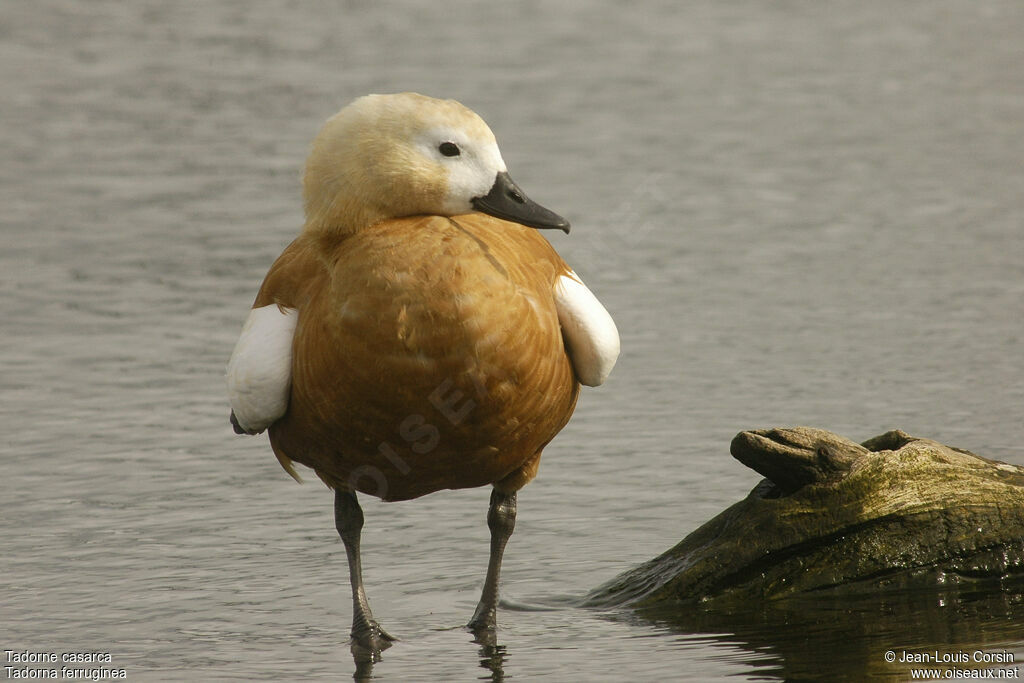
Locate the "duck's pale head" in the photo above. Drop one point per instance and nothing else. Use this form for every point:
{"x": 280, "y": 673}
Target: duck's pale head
{"x": 388, "y": 156}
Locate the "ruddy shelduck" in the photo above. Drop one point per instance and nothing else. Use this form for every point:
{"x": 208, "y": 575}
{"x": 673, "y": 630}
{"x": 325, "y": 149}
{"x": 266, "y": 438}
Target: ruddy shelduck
{"x": 419, "y": 334}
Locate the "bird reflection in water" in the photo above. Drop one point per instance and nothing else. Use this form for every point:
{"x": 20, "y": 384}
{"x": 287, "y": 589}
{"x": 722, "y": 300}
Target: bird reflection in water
{"x": 492, "y": 656}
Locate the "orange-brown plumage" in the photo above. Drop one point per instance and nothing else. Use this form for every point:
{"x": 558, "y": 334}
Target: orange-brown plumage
{"x": 405, "y": 343}
{"x": 422, "y": 324}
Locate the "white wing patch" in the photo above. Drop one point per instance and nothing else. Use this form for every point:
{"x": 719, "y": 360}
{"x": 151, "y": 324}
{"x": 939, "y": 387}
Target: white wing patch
{"x": 590, "y": 332}
{"x": 260, "y": 370}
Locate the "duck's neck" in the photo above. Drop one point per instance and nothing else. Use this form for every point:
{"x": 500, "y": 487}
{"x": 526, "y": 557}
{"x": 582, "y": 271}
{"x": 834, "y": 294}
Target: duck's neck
{"x": 340, "y": 220}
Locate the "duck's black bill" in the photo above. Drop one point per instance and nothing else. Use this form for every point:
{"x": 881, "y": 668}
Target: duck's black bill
{"x": 507, "y": 201}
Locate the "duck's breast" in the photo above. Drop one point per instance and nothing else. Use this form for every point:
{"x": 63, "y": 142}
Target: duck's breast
{"x": 432, "y": 359}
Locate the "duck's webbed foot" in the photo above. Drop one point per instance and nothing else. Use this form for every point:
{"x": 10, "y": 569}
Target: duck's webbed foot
{"x": 368, "y": 641}
{"x": 367, "y": 633}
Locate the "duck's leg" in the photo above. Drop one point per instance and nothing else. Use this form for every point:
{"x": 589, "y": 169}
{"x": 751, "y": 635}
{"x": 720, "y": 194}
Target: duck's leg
{"x": 348, "y": 517}
{"x": 501, "y": 519}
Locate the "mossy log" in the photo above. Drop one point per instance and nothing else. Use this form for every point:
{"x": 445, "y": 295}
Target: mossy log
{"x": 834, "y": 515}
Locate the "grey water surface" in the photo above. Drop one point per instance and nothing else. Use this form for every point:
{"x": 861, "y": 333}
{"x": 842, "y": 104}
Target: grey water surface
{"x": 797, "y": 212}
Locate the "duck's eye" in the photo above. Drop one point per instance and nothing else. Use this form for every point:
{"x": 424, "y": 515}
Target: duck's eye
{"x": 449, "y": 149}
